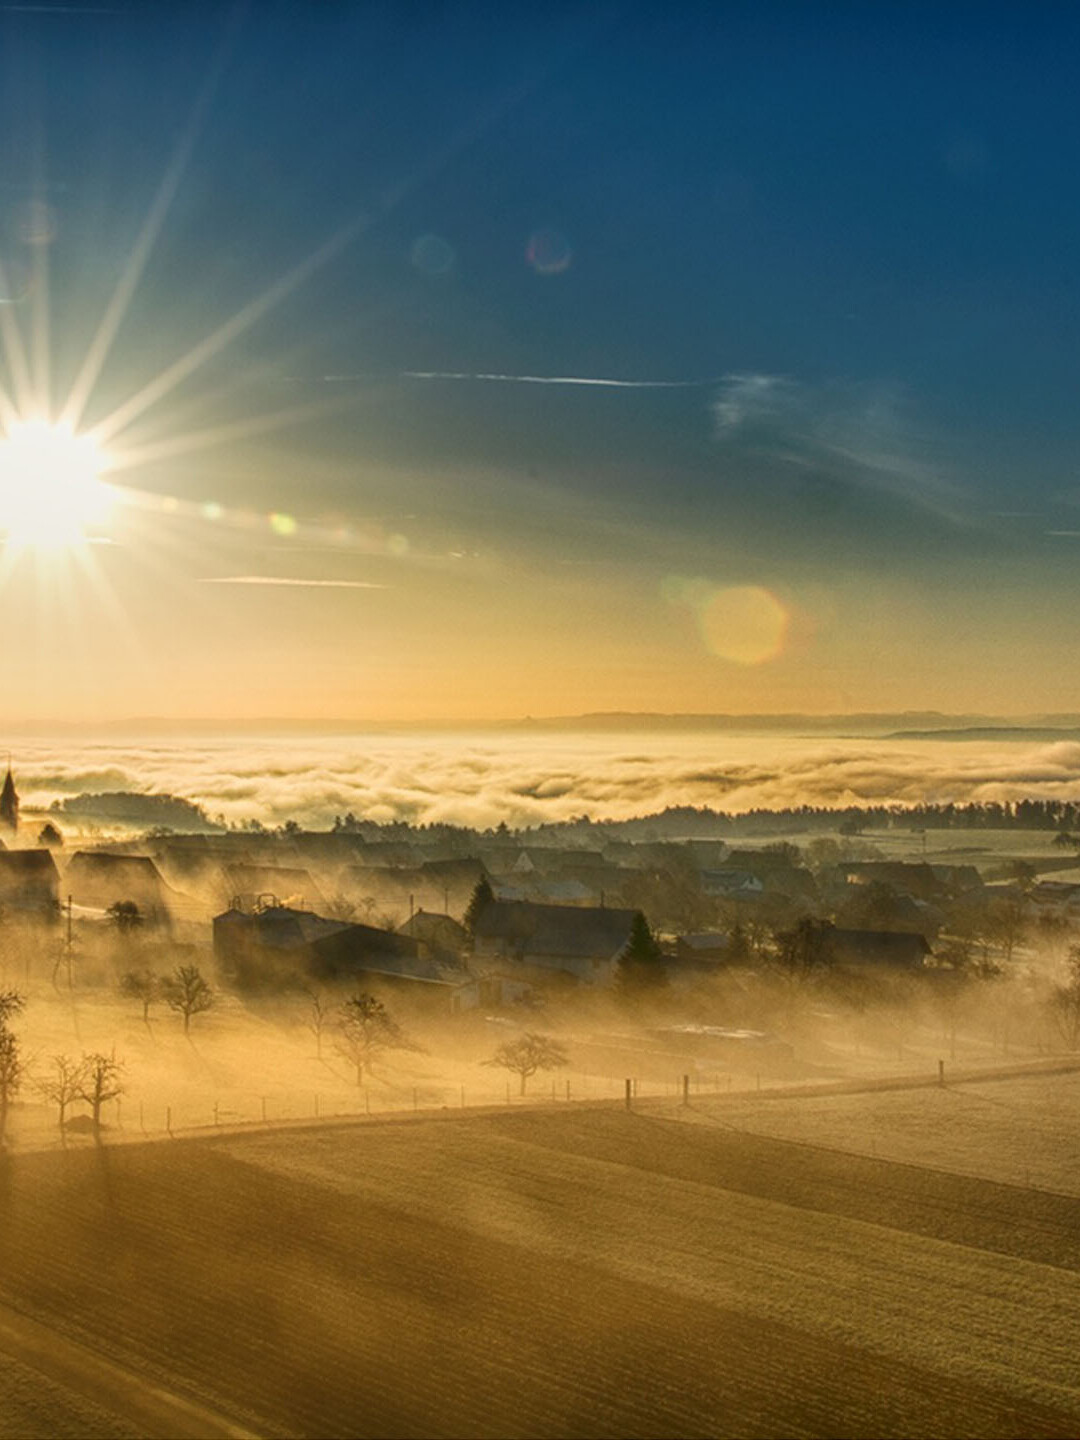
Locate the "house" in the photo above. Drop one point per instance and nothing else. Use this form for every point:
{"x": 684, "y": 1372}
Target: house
{"x": 275, "y": 945}
{"x": 703, "y": 951}
{"x": 731, "y": 884}
{"x": 29, "y": 883}
{"x": 915, "y": 879}
{"x": 100, "y": 878}
{"x": 287, "y": 882}
{"x": 438, "y": 935}
{"x": 880, "y": 949}
{"x": 583, "y": 942}
{"x": 441, "y": 885}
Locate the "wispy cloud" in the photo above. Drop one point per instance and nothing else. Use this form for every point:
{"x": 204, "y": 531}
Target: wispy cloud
{"x": 292, "y": 580}
{"x": 858, "y": 434}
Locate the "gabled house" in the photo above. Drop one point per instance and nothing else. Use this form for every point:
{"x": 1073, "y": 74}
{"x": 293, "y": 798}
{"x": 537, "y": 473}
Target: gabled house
{"x": 99, "y": 878}
{"x": 584, "y": 942}
{"x": 438, "y": 936}
{"x": 731, "y": 884}
{"x": 277, "y": 945}
{"x": 879, "y": 949}
{"x": 286, "y": 882}
{"x": 29, "y": 883}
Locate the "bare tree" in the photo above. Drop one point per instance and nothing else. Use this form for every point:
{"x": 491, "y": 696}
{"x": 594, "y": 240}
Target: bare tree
{"x": 318, "y": 1018}
{"x": 144, "y": 986}
{"x": 365, "y": 1030}
{"x": 528, "y": 1054}
{"x": 1065, "y": 1001}
{"x": 187, "y": 992}
{"x": 11, "y": 1004}
{"x": 64, "y": 1086}
{"x": 11, "y": 1065}
{"x": 11, "y": 1072}
{"x": 101, "y": 1081}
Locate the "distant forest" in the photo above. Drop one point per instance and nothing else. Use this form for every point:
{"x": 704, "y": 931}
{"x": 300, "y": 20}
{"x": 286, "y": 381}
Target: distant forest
{"x": 686, "y": 822}
{"x": 170, "y": 814}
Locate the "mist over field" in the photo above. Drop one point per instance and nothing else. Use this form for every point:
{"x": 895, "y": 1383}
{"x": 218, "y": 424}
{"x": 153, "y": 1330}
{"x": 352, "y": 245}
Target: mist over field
{"x": 531, "y": 778}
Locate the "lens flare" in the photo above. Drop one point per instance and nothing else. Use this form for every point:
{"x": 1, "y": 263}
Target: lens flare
{"x": 549, "y": 252}
{"x": 432, "y": 255}
{"x": 745, "y": 624}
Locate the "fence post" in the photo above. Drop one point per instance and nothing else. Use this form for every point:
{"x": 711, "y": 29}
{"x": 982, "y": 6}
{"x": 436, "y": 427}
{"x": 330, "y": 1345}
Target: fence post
{"x": 568, "y": 1089}
{"x": 168, "y": 1118}
{"x": 686, "y": 1089}
{"x": 941, "y": 1072}
{"x": 629, "y": 1092}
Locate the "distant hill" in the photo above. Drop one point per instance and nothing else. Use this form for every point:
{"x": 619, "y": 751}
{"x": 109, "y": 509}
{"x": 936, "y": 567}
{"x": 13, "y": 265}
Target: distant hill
{"x": 990, "y": 732}
{"x": 909, "y": 724}
{"x": 127, "y": 807}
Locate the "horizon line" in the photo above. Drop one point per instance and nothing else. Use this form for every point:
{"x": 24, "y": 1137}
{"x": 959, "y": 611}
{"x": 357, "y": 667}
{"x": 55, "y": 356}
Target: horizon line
{"x": 616, "y": 718}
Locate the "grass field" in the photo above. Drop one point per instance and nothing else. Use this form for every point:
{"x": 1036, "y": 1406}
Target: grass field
{"x": 1021, "y": 1130}
{"x": 576, "y": 1273}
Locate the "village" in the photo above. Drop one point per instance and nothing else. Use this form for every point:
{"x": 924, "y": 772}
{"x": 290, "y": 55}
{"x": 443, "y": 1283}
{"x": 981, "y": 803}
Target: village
{"x": 660, "y": 958}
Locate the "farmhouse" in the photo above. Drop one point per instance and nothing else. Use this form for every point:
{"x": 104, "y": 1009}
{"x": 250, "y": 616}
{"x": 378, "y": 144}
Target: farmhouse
{"x": 880, "y": 949}
{"x": 29, "y": 883}
{"x": 703, "y": 951}
{"x": 584, "y": 942}
{"x": 98, "y": 879}
{"x": 286, "y": 882}
{"x": 439, "y": 936}
{"x": 280, "y": 945}
{"x": 731, "y": 884}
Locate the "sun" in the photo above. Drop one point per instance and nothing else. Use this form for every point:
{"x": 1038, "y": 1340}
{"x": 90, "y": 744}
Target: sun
{"x": 52, "y": 496}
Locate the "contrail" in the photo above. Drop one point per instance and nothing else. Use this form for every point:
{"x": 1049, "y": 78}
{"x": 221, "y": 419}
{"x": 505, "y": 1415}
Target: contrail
{"x": 291, "y": 580}
{"x": 487, "y": 377}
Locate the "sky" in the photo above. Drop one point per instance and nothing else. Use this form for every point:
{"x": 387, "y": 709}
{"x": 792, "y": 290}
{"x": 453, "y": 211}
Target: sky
{"x": 467, "y": 362}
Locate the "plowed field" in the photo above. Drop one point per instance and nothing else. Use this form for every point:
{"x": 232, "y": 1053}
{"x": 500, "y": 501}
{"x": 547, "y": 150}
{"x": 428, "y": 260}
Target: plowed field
{"x": 538, "y": 1274}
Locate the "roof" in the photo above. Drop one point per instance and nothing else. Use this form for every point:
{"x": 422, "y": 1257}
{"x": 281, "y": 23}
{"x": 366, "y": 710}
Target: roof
{"x": 467, "y": 871}
{"x": 711, "y": 940}
{"x": 280, "y": 880}
{"x": 566, "y": 930}
{"x": 434, "y": 929}
{"x": 280, "y": 927}
{"x": 25, "y": 865}
{"x": 100, "y": 877}
{"x": 879, "y": 947}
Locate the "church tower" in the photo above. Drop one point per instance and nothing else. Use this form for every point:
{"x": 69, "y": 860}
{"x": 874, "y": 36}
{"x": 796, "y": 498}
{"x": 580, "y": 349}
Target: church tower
{"x": 9, "y": 803}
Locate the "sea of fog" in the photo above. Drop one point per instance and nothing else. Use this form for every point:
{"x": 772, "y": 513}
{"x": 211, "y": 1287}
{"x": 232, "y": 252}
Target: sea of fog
{"x": 527, "y": 778}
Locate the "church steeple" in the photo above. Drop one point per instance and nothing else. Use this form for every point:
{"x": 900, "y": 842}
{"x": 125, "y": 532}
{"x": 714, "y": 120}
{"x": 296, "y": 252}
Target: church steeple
{"x": 9, "y": 802}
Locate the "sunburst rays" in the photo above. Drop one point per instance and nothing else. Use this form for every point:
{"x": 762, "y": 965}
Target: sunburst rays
{"x": 132, "y": 444}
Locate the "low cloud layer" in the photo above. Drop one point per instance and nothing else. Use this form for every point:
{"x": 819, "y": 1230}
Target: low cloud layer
{"x": 531, "y": 779}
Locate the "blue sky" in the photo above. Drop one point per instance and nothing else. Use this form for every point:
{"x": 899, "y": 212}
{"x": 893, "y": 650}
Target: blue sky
{"x": 852, "y": 231}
